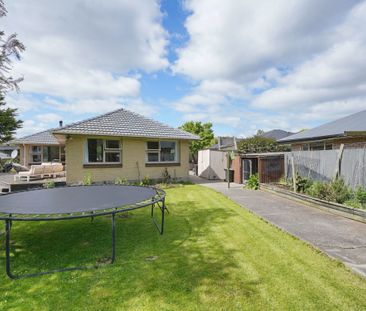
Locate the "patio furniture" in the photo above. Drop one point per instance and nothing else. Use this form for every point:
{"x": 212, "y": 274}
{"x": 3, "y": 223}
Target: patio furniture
{"x": 69, "y": 202}
{"x": 44, "y": 170}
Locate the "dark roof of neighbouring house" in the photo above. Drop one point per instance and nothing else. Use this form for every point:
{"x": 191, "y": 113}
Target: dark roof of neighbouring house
{"x": 276, "y": 134}
{"x": 338, "y": 128}
{"x": 40, "y": 138}
{"x": 225, "y": 143}
{"x": 123, "y": 122}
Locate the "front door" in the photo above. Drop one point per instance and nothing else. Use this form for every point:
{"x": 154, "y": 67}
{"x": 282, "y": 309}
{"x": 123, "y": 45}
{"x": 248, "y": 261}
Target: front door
{"x": 247, "y": 168}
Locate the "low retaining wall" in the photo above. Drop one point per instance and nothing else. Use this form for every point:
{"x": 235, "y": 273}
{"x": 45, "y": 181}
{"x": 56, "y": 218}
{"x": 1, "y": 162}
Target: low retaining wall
{"x": 339, "y": 209}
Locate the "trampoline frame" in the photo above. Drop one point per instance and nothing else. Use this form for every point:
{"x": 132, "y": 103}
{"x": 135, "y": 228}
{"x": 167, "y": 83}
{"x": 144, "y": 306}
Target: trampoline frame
{"x": 158, "y": 200}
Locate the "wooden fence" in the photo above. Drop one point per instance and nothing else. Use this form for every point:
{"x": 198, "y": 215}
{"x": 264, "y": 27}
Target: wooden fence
{"x": 324, "y": 165}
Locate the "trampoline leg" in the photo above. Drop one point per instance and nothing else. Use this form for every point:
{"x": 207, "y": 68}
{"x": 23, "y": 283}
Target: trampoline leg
{"x": 113, "y": 239}
{"x": 7, "y": 249}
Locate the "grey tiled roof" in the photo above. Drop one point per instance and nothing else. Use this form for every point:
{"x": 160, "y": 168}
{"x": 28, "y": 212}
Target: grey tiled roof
{"x": 124, "y": 123}
{"x": 276, "y": 134}
{"x": 41, "y": 138}
{"x": 353, "y": 123}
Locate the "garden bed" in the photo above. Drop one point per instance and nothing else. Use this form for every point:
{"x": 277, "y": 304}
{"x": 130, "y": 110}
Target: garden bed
{"x": 346, "y": 211}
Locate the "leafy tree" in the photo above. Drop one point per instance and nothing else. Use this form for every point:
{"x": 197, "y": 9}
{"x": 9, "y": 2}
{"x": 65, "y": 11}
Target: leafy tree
{"x": 258, "y": 143}
{"x": 204, "y": 131}
{"x": 10, "y": 48}
{"x": 8, "y": 122}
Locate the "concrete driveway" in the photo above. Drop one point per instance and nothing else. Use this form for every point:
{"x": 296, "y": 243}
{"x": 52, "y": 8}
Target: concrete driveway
{"x": 339, "y": 237}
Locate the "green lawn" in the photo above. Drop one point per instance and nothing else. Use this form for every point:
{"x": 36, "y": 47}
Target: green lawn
{"x": 214, "y": 255}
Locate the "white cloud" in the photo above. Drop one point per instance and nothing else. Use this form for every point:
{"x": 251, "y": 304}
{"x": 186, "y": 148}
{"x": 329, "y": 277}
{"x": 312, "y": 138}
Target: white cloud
{"x": 49, "y": 118}
{"x": 231, "y": 39}
{"x": 84, "y": 56}
{"x": 284, "y": 64}
{"x": 31, "y": 127}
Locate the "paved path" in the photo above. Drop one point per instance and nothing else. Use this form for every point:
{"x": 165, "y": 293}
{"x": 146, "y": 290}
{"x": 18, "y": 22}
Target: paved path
{"x": 339, "y": 237}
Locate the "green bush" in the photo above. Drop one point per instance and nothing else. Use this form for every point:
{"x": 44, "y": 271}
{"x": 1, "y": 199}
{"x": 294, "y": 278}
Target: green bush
{"x": 88, "y": 180}
{"x": 302, "y": 183}
{"x": 253, "y": 182}
{"x": 318, "y": 190}
{"x": 360, "y": 195}
{"x": 354, "y": 203}
{"x": 339, "y": 191}
{"x": 120, "y": 181}
{"x": 49, "y": 184}
{"x": 334, "y": 191}
{"x": 146, "y": 181}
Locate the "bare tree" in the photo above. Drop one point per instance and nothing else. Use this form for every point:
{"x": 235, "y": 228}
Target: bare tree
{"x": 10, "y": 47}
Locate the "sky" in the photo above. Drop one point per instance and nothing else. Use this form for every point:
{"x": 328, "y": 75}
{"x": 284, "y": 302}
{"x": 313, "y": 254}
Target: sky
{"x": 241, "y": 65}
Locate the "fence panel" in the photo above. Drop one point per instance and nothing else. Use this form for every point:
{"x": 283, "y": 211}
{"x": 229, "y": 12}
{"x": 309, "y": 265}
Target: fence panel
{"x": 353, "y": 167}
{"x": 321, "y": 165}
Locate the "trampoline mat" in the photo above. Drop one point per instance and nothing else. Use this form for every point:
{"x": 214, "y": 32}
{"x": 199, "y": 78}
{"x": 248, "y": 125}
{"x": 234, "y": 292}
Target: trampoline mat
{"x": 78, "y": 199}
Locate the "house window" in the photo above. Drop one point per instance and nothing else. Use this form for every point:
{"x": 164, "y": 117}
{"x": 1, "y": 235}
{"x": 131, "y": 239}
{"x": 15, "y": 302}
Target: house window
{"x": 161, "y": 151}
{"x": 328, "y": 146}
{"x": 103, "y": 151}
{"x": 51, "y": 154}
{"x": 39, "y": 154}
{"x": 36, "y": 154}
{"x": 317, "y": 146}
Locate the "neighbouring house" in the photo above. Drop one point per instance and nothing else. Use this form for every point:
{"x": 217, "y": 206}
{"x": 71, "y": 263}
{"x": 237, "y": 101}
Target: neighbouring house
{"x": 40, "y": 147}
{"x": 225, "y": 143}
{"x": 124, "y": 144}
{"x": 276, "y": 134}
{"x": 350, "y": 130}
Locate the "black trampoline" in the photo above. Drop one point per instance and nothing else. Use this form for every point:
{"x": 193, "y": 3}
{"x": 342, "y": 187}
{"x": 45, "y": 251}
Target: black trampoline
{"x": 76, "y": 202}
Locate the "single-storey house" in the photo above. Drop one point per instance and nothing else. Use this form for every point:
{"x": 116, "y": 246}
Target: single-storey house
{"x": 119, "y": 144}
{"x": 350, "y": 130}
{"x": 40, "y": 147}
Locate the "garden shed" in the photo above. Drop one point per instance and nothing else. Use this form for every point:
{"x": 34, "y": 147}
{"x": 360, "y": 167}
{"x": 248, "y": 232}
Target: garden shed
{"x": 269, "y": 167}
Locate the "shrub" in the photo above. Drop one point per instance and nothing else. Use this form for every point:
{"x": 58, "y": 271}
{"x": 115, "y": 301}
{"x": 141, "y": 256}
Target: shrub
{"x": 318, "y": 190}
{"x": 88, "y": 180}
{"x": 49, "y": 184}
{"x": 146, "y": 181}
{"x": 253, "y": 182}
{"x": 360, "y": 195}
{"x": 120, "y": 181}
{"x": 339, "y": 191}
{"x": 302, "y": 183}
{"x": 165, "y": 177}
{"x": 335, "y": 191}
{"x": 354, "y": 203}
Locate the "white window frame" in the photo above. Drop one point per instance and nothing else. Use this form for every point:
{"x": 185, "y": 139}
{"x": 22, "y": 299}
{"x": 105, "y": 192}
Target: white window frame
{"x": 31, "y": 153}
{"x": 158, "y": 151}
{"x": 105, "y": 150}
